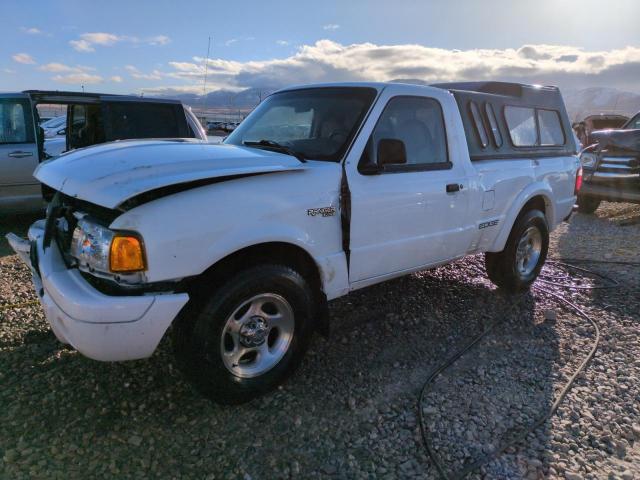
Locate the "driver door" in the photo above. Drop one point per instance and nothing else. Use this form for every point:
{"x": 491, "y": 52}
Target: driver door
{"x": 412, "y": 215}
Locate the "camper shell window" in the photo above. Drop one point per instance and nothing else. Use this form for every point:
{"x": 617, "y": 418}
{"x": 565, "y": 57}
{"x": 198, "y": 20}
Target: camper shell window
{"x": 493, "y": 123}
{"x": 522, "y": 125}
{"x": 551, "y": 133}
{"x": 477, "y": 121}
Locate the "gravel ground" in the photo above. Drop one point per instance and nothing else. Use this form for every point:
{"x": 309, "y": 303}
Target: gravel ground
{"x": 350, "y": 410}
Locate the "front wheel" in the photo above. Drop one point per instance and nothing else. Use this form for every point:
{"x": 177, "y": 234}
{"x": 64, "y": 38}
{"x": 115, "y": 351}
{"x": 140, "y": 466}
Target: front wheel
{"x": 517, "y": 266}
{"x": 248, "y": 336}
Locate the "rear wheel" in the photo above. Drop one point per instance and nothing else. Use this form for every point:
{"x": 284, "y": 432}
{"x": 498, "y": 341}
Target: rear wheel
{"x": 248, "y": 336}
{"x": 588, "y": 204}
{"x": 517, "y": 266}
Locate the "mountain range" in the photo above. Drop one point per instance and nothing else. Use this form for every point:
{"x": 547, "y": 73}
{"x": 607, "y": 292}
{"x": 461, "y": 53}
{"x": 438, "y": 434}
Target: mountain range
{"x": 579, "y": 102}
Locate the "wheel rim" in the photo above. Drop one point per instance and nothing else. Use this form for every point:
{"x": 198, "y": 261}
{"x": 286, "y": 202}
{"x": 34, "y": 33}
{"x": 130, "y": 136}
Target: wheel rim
{"x": 257, "y": 335}
{"x": 528, "y": 251}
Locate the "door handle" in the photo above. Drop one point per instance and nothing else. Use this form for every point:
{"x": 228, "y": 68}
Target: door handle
{"x": 20, "y": 154}
{"x": 453, "y": 187}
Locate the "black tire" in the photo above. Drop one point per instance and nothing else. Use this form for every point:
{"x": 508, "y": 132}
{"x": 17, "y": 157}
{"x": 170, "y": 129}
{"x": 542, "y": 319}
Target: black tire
{"x": 198, "y": 332}
{"x": 588, "y": 204}
{"x": 502, "y": 266}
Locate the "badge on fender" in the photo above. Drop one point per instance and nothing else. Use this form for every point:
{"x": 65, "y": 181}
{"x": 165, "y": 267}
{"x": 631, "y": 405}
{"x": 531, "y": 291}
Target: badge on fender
{"x": 491, "y": 223}
{"x": 323, "y": 211}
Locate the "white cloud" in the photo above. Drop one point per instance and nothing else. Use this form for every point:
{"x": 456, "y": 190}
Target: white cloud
{"x": 158, "y": 40}
{"x": 78, "y": 78}
{"x": 331, "y": 26}
{"x": 230, "y": 42}
{"x": 87, "y": 41}
{"x": 116, "y": 79}
{"x": 100, "y": 38}
{"x": 282, "y": 43}
{"x": 23, "y": 58}
{"x": 78, "y": 74}
{"x": 55, "y": 67}
{"x": 9, "y": 71}
{"x": 82, "y": 46}
{"x": 31, "y": 31}
{"x": 137, "y": 74}
{"x": 328, "y": 61}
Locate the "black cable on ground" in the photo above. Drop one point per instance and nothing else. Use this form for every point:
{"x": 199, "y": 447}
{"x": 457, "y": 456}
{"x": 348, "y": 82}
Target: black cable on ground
{"x": 594, "y": 260}
{"x": 552, "y": 279}
{"x": 522, "y": 434}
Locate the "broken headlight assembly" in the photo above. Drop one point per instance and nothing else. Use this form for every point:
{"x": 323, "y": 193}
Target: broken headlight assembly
{"x": 100, "y": 249}
{"x": 588, "y": 159}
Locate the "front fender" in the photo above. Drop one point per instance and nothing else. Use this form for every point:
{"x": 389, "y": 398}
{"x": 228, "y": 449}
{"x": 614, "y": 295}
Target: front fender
{"x": 541, "y": 189}
{"x": 188, "y": 232}
{"x": 331, "y": 265}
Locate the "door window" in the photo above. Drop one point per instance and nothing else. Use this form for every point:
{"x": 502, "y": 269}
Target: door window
{"x": 86, "y": 126}
{"x": 15, "y": 122}
{"x": 418, "y": 122}
{"x": 127, "y": 120}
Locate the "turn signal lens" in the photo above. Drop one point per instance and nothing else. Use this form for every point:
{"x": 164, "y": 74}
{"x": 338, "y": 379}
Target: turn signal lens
{"x": 126, "y": 254}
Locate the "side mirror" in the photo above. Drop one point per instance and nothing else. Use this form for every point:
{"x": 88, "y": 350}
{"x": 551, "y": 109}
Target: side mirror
{"x": 391, "y": 151}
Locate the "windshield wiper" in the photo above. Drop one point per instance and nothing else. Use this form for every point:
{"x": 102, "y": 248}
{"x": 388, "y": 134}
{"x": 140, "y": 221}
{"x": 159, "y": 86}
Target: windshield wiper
{"x": 272, "y": 145}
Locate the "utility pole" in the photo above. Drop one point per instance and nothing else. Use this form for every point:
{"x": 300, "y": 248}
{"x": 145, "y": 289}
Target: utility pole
{"x": 206, "y": 70}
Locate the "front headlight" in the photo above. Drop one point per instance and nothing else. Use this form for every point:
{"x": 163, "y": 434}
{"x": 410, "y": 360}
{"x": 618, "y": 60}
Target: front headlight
{"x": 103, "y": 250}
{"x": 588, "y": 159}
{"x": 91, "y": 244}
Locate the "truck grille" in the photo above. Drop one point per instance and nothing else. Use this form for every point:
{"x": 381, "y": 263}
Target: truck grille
{"x": 617, "y": 167}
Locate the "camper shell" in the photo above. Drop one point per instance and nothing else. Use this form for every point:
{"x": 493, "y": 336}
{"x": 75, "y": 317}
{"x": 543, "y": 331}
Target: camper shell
{"x": 484, "y": 107}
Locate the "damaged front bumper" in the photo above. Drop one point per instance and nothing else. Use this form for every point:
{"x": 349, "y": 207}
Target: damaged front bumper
{"x": 101, "y": 327}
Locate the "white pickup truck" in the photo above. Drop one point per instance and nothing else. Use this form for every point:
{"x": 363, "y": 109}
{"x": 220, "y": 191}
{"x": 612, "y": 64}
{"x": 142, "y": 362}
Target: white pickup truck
{"x": 322, "y": 190}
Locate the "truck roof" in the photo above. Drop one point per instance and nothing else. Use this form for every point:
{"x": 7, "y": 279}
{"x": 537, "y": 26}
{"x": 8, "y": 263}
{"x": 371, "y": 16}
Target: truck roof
{"x": 61, "y": 96}
{"x": 489, "y": 87}
{"x": 499, "y": 88}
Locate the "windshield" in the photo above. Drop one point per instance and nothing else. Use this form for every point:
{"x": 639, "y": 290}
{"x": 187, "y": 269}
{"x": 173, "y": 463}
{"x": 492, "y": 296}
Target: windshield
{"x": 634, "y": 123}
{"x": 315, "y": 123}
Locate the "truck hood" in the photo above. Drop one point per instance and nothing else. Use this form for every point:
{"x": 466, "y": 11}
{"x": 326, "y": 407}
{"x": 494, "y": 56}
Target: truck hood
{"x": 112, "y": 173}
{"x": 617, "y": 139}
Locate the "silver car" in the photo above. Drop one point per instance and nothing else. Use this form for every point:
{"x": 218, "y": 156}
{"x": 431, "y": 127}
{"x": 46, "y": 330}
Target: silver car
{"x": 91, "y": 118}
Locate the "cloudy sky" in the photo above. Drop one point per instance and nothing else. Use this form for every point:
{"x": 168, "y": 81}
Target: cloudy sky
{"x": 160, "y": 46}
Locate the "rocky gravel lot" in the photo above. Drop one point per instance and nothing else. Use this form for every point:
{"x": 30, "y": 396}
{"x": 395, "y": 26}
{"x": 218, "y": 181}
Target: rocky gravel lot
{"x": 350, "y": 411}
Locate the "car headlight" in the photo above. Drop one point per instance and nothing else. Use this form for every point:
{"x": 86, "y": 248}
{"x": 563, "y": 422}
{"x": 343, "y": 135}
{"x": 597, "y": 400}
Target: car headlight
{"x": 588, "y": 159}
{"x": 104, "y": 250}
